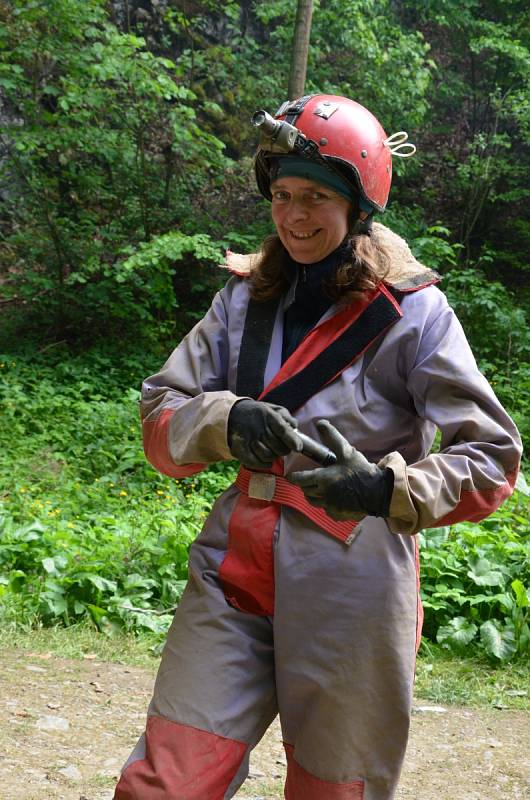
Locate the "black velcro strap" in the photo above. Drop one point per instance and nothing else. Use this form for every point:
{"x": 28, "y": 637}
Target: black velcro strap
{"x": 255, "y": 345}
{"x": 296, "y": 108}
{"x": 373, "y": 321}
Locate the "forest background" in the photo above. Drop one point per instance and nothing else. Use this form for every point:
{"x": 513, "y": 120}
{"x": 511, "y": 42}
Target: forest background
{"x": 126, "y": 171}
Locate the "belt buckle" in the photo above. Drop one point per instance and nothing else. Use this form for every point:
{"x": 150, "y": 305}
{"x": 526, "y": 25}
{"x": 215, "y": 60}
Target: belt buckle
{"x": 261, "y": 486}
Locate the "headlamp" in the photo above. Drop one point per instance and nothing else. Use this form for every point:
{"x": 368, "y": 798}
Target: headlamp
{"x": 277, "y": 136}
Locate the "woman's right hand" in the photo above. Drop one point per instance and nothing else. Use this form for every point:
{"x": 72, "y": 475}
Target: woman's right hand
{"x": 258, "y": 433}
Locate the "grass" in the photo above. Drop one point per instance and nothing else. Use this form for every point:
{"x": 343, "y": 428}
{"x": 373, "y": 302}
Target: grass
{"x": 82, "y": 640}
{"x": 441, "y": 677}
{"x": 446, "y": 679}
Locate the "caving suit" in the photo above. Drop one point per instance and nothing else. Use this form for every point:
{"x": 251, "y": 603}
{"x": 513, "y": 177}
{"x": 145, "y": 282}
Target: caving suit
{"x": 287, "y": 610}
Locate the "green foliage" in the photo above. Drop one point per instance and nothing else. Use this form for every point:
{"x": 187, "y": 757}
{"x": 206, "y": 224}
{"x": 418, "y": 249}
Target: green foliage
{"x": 500, "y": 641}
{"x": 350, "y": 38}
{"x": 107, "y": 569}
{"x": 460, "y": 632}
{"x": 468, "y": 678}
{"x": 168, "y": 248}
{"x": 496, "y": 326}
{"x": 476, "y": 581}
{"x": 170, "y": 276}
{"x": 499, "y": 334}
{"x": 434, "y": 249}
{"x": 99, "y": 152}
{"x": 88, "y": 530}
{"x": 116, "y": 139}
{"x": 357, "y": 46}
{"x": 474, "y": 150}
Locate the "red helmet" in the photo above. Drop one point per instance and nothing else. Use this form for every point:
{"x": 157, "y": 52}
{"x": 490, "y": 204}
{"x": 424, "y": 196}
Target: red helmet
{"x": 336, "y": 131}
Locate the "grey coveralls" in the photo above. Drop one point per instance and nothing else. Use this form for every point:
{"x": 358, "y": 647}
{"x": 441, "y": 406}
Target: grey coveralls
{"x": 281, "y": 614}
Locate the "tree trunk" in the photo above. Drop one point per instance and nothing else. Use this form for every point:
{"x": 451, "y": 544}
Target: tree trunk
{"x": 302, "y": 32}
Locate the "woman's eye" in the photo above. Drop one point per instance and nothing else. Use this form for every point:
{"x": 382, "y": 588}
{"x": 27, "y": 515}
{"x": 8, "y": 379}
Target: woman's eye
{"x": 280, "y": 195}
{"x": 318, "y": 196}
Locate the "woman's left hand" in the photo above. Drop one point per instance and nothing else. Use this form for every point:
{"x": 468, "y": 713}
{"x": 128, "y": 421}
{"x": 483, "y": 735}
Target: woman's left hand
{"x": 350, "y": 489}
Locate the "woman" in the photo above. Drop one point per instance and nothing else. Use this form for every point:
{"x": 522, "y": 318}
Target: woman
{"x": 303, "y": 589}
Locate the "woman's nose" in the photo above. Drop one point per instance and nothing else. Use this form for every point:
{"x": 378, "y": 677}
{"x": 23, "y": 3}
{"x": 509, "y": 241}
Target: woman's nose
{"x": 296, "y": 211}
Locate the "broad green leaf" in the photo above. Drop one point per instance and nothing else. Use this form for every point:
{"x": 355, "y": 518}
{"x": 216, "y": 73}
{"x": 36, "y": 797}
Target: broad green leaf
{"x": 98, "y": 614}
{"x": 524, "y": 639}
{"x": 56, "y": 602}
{"x": 134, "y": 580}
{"x": 103, "y": 584}
{"x": 490, "y": 599}
{"x": 17, "y": 580}
{"x": 483, "y": 573}
{"x": 499, "y": 641}
{"x": 435, "y": 537}
{"x": 457, "y": 634}
{"x": 521, "y": 593}
{"x": 31, "y": 532}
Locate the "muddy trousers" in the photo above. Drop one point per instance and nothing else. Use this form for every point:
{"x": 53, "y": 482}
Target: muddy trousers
{"x": 335, "y": 672}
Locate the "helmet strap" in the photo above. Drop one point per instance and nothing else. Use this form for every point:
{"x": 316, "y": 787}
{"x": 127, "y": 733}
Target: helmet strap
{"x": 361, "y": 226}
{"x": 293, "y": 108}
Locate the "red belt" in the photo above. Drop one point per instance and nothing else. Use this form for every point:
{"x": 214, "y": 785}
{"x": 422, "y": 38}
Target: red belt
{"x": 275, "y": 489}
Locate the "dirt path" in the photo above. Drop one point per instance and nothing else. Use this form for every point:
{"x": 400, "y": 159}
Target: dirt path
{"x": 69, "y": 725}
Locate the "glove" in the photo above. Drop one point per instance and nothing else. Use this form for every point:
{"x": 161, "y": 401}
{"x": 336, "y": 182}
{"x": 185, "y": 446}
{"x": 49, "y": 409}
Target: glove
{"x": 350, "y": 489}
{"x": 260, "y": 432}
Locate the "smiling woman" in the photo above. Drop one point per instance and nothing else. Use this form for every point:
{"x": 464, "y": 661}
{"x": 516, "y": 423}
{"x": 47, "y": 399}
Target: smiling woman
{"x": 303, "y": 591}
{"x": 318, "y": 214}
{"x": 311, "y": 220}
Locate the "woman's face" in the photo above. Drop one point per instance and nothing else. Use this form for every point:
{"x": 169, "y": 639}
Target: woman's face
{"x": 311, "y": 219}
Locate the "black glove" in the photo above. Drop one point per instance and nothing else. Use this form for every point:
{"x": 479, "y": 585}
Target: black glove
{"x": 350, "y": 489}
{"x": 260, "y": 432}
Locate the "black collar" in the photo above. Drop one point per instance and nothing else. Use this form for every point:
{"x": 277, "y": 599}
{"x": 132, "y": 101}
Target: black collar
{"x": 311, "y": 278}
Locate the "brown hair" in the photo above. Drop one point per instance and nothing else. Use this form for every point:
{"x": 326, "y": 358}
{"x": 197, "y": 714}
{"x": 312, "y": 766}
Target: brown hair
{"x": 362, "y": 272}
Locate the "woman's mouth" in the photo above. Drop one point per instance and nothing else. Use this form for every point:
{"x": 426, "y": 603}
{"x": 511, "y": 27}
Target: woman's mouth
{"x": 303, "y": 234}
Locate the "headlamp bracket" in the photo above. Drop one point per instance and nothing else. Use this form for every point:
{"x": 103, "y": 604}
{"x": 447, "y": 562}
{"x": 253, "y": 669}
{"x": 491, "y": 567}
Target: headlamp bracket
{"x": 326, "y": 109}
